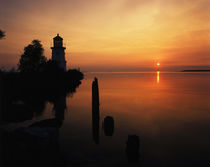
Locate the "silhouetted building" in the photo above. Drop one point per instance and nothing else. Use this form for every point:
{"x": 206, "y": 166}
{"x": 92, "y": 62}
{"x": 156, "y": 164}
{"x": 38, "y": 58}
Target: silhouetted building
{"x": 108, "y": 126}
{"x": 58, "y": 52}
{"x": 95, "y": 111}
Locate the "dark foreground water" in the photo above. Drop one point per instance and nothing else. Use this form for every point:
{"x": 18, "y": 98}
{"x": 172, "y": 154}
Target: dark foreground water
{"x": 169, "y": 112}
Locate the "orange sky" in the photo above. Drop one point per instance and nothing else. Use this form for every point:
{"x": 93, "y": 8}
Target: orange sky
{"x": 111, "y": 35}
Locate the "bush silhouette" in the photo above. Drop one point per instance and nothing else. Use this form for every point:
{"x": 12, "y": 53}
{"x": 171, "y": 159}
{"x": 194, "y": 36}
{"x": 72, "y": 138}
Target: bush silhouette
{"x": 50, "y": 66}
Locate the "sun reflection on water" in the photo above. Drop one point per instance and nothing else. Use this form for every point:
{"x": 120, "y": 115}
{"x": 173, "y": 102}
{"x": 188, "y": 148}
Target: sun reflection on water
{"x": 158, "y": 77}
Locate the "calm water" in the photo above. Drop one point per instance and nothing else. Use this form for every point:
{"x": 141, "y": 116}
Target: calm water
{"x": 170, "y": 112}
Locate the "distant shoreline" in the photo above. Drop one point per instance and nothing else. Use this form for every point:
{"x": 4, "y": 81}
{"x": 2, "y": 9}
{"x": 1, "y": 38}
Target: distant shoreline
{"x": 195, "y": 71}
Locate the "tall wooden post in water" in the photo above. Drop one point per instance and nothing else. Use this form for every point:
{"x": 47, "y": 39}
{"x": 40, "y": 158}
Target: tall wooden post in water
{"x": 95, "y": 96}
{"x": 95, "y": 111}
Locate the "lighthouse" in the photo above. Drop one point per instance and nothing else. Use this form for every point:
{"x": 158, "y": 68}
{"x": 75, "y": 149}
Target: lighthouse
{"x": 58, "y": 52}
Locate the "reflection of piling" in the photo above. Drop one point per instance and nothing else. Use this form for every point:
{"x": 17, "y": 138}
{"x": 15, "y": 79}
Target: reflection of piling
{"x": 108, "y": 126}
{"x": 95, "y": 111}
{"x": 132, "y": 149}
{"x": 1, "y": 138}
{"x": 0, "y": 97}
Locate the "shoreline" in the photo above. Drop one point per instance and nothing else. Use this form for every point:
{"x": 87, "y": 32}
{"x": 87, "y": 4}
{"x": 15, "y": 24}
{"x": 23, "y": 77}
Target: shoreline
{"x": 195, "y": 71}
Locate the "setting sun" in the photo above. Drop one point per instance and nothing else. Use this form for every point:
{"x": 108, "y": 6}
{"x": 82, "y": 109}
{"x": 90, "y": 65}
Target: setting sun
{"x": 158, "y": 64}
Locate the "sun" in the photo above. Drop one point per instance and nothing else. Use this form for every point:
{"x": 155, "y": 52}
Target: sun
{"x": 158, "y": 64}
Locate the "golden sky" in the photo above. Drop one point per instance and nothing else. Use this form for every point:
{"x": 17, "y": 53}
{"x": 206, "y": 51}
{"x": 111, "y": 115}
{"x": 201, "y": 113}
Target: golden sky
{"x": 111, "y": 35}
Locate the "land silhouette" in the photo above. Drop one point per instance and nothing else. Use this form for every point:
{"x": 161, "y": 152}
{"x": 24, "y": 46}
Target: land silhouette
{"x": 36, "y": 81}
{"x": 196, "y": 71}
{"x": 35, "y": 71}
{"x": 24, "y": 93}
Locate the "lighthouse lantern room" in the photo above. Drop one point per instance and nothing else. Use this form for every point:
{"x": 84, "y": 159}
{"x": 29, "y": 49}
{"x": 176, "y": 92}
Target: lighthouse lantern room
{"x": 58, "y": 52}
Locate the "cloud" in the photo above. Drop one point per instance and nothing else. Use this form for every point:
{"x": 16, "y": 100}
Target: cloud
{"x": 134, "y": 4}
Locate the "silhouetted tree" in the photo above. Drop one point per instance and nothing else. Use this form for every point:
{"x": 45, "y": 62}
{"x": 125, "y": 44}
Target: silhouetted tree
{"x": 32, "y": 58}
{"x": 2, "y": 34}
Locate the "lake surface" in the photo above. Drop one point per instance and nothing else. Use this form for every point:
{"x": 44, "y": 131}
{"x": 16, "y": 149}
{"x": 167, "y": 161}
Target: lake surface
{"x": 169, "y": 112}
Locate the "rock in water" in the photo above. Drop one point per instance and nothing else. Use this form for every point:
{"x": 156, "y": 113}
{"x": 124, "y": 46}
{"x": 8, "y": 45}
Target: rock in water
{"x": 108, "y": 126}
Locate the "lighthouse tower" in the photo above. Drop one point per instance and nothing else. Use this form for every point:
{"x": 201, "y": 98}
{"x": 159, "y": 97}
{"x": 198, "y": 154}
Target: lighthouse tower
{"x": 58, "y": 52}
